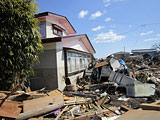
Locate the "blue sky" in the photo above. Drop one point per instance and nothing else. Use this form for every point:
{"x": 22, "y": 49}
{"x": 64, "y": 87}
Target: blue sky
{"x": 111, "y": 25}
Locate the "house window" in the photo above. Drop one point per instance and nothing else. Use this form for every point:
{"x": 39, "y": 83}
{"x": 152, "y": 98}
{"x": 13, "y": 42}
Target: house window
{"x": 42, "y": 29}
{"x": 57, "y": 30}
{"x": 76, "y": 61}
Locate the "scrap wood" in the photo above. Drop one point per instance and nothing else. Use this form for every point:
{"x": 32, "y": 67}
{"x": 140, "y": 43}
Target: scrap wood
{"x": 54, "y": 98}
{"x": 125, "y": 108}
{"x": 28, "y": 90}
{"x": 2, "y": 95}
{"x": 99, "y": 107}
{"x": 156, "y": 102}
{"x": 150, "y": 107}
{"x": 101, "y": 64}
{"x": 61, "y": 113}
{"x": 95, "y": 107}
{"x": 90, "y": 114}
{"x": 105, "y": 99}
{"x": 81, "y": 101}
{"x": 10, "y": 109}
{"x": 14, "y": 90}
{"x": 87, "y": 95}
{"x": 39, "y": 111}
{"x": 8, "y": 92}
{"x": 67, "y": 98}
{"x": 55, "y": 92}
{"x": 111, "y": 109}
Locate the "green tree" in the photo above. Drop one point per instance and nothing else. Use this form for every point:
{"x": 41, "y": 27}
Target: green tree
{"x": 20, "y": 41}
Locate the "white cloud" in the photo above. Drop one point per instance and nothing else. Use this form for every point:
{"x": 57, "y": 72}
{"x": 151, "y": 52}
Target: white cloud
{"x": 151, "y": 39}
{"x": 130, "y": 26}
{"x": 108, "y": 19}
{"x": 107, "y": 4}
{"x": 97, "y": 28}
{"x": 158, "y": 35}
{"x": 83, "y": 13}
{"x": 108, "y": 37}
{"x": 146, "y": 33}
{"x": 96, "y": 14}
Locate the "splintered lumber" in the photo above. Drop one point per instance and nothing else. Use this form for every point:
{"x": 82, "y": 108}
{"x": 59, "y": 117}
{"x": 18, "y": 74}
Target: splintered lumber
{"x": 79, "y": 102}
{"x": 39, "y": 111}
{"x": 101, "y": 64}
{"x": 140, "y": 115}
{"x": 54, "y": 97}
{"x": 103, "y": 100}
{"x": 10, "y": 109}
{"x": 90, "y": 114}
{"x": 80, "y": 94}
{"x": 150, "y": 107}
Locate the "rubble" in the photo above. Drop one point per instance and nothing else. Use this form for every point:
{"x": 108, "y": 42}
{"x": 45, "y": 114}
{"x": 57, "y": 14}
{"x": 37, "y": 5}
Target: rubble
{"x": 110, "y": 90}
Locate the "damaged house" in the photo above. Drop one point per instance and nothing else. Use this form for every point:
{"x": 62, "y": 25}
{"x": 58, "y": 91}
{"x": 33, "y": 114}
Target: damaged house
{"x": 65, "y": 54}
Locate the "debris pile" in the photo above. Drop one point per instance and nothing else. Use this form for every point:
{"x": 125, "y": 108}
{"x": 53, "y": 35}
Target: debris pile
{"x": 110, "y": 90}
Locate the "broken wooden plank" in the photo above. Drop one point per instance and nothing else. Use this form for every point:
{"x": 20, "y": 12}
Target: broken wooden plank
{"x": 90, "y": 114}
{"x": 10, "y": 109}
{"x": 150, "y": 107}
{"x": 14, "y": 90}
{"x": 103, "y": 100}
{"x": 125, "y": 108}
{"x": 39, "y": 111}
{"x": 78, "y": 102}
{"x": 101, "y": 64}
{"x": 53, "y": 98}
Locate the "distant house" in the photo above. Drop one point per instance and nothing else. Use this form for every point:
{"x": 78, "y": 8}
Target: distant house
{"x": 144, "y": 51}
{"x": 65, "y": 55}
{"x": 121, "y": 54}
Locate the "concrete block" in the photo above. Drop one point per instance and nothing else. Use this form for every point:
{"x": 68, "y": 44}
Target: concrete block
{"x": 140, "y": 90}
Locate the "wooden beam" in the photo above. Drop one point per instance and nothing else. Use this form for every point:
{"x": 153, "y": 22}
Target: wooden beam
{"x": 39, "y": 111}
{"x": 101, "y": 64}
{"x": 125, "y": 108}
{"x": 150, "y": 107}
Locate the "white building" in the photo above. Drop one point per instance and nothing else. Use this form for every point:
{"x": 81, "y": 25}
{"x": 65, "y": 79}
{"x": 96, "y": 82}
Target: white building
{"x": 65, "y": 55}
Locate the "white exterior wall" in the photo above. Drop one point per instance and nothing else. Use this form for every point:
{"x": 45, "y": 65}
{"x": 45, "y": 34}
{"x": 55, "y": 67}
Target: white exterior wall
{"x": 75, "y": 44}
{"x": 49, "y": 29}
{"x": 60, "y": 66}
